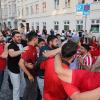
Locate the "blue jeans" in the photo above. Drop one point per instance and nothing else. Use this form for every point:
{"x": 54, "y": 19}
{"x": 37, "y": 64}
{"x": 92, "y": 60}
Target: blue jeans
{"x": 1, "y": 78}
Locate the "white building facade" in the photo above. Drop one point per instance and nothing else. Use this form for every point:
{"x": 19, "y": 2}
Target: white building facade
{"x": 0, "y": 16}
{"x": 9, "y": 14}
{"x": 56, "y": 14}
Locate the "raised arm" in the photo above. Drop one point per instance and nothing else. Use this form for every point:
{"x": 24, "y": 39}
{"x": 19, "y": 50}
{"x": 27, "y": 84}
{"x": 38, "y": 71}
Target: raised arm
{"x": 88, "y": 95}
{"x": 66, "y": 76}
{"x": 50, "y": 53}
{"x": 53, "y": 52}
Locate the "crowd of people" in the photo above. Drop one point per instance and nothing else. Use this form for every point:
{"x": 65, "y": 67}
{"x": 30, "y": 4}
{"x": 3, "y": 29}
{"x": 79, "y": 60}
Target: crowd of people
{"x": 50, "y": 66}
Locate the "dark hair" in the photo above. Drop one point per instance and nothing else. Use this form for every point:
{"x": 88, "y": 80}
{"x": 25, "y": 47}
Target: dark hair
{"x": 30, "y": 36}
{"x": 40, "y": 40}
{"x": 69, "y": 49}
{"x": 14, "y": 33}
{"x": 86, "y": 46}
{"x": 58, "y": 35}
{"x": 50, "y": 38}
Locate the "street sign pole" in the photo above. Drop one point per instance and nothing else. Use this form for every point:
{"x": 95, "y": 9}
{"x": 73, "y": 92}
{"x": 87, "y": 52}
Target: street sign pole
{"x": 85, "y": 22}
{"x": 86, "y": 12}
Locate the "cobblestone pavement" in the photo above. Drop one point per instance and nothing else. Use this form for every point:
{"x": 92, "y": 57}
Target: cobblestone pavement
{"x": 5, "y": 93}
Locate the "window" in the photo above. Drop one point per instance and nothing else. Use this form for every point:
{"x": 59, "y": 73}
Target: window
{"x": 93, "y": 21}
{"x": 44, "y": 6}
{"x": 95, "y": 28}
{"x": 56, "y": 25}
{"x": 10, "y": 10}
{"x": 81, "y": 22}
{"x": 95, "y": 25}
{"x": 97, "y": 21}
{"x": 31, "y": 10}
{"x": 81, "y": 1}
{"x": 27, "y": 11}
{"x": 18, "y": 13}
{"x": 79, "y": 25}
{"x": 22, "y": 12}
{"x": 66, "y": 25}
{"x": 33, "y": 26}
{"x": 44, "y": 24}
{"x": 56, "y": 4}
{"x": 96, "y": 0}
{"x": 27, "y": 27}
{"x": 37, "y": 8}
{"x": 37, "y": 25}
{"x": 67, "y": 3}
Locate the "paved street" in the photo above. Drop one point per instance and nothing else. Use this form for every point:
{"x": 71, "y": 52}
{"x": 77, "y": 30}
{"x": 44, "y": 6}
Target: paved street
{"x": 6, "y": 93}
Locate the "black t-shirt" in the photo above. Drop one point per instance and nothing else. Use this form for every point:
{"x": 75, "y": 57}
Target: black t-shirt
{"x": 12, "y": 62}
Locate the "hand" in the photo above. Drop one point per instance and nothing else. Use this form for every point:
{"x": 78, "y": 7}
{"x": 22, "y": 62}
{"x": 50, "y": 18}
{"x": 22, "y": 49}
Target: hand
{"x": 29, "y": 65}
{"x": 44, "y": 54}
{"x": 6, "y": 46}
{"x": 30, "y": 77}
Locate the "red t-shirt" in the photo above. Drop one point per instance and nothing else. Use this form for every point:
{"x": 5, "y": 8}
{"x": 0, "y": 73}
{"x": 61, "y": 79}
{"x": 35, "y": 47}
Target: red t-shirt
{"x": 85, "y": 80}
{"x": 95, "y": 52}
{"x": 94, "y": 44}
{"x": 2, "y": 60}
{"x": 55, "y": 89}
{"x": 30, "y": 56}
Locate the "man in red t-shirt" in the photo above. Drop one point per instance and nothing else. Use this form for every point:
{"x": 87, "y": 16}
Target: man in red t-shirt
{"x": 53, "y": 88}
{"x": 83, "y": 80}
{"x": 27, "y": 63}
{"x": 3, "y": 56}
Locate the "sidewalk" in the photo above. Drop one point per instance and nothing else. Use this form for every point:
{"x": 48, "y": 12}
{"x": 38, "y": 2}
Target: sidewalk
{"x": 6, "y": 93}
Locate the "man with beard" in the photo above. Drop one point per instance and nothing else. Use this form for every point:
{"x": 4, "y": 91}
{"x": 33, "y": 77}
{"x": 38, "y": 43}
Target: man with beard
{"x": 14, "y": 53}
{"x": 3, "y": 56}
{"x": 53, "y": 89}
{"x": 52, "y": 43}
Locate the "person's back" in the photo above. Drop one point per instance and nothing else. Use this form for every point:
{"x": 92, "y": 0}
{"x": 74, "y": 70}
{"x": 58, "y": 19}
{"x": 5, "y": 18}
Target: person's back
{"x": 54, "y": 89}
